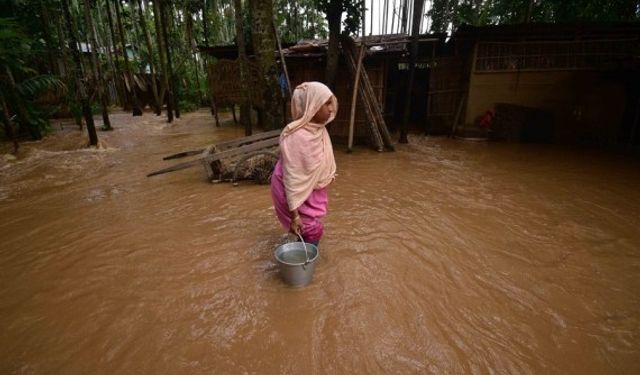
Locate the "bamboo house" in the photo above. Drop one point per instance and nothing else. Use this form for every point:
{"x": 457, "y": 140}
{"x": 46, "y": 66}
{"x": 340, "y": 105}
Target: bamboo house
{"x": 527, "y": 82}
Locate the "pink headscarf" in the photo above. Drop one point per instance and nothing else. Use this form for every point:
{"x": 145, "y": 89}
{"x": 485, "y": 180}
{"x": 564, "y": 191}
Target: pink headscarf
{"x": 306, "y": 149}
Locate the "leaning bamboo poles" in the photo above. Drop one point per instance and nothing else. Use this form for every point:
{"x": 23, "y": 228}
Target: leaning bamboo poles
{"x": 375, "y": 133}
{"x": 379, "y": 132}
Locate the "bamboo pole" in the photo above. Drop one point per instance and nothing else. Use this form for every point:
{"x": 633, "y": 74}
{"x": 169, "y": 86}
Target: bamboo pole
{"x": 382, "y": 127}
{"x": 369, "y": 109}
{"x": 284, "y": 63}
{"x": 380, "y": 132}
{"x": 354, "y": 97}
{"x": 245, "y": 106}
{"x": 393, "y": 16}
{"x": 147, "y": 39}
{"x": 118, "y": 77}
{"x": 373, "y": 103}
{"x": 82, "y": 91}
{"x": 136, "y": 110}
{"x": 371, "y": 23}
{"x": 364, "y": 18}
{"x": 385, "y": 17}
{"x": 97, "y": 70}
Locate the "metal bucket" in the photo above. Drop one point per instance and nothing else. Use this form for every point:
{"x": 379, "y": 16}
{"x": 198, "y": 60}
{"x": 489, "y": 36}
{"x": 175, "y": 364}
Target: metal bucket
{"x": 296, "y": 265}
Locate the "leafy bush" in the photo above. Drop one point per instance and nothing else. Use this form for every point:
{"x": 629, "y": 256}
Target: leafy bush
{"x": 21, "y": 88}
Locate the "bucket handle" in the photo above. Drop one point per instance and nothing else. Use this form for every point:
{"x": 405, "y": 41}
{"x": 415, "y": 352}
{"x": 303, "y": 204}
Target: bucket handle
{"x": 306, "y": 253}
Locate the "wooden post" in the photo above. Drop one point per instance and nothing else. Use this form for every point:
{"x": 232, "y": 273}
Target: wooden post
{"x": 456, "y": 118}
{"x": 354, "y": 97}
{"x": 634, "y": 126}
{"x": 214, "y": 109}
{"x": 417, "y": 11}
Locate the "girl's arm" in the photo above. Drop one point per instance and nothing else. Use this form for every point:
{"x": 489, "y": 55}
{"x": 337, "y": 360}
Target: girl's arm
{"x": 296, "y": 222}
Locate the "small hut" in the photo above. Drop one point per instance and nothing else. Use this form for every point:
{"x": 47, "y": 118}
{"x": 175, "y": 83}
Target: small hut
{"x": 526, "y": 82}
{"x": 386, "y": 66}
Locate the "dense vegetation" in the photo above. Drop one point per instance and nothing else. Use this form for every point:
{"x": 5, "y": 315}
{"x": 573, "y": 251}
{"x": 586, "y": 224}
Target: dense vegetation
{"x": 79, "y": 57}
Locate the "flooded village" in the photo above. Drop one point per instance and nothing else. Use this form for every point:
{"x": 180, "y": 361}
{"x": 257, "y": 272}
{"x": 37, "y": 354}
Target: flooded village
{"x": 483, "y": 216}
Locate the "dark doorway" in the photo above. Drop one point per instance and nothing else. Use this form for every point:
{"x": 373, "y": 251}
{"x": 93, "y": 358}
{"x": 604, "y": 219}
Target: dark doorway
{"x": 397, "y": 81}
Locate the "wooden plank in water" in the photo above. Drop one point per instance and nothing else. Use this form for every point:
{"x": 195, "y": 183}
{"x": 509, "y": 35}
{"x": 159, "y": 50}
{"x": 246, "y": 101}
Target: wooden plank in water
{"x": 250, "y": 139}
{"x": 221, "y": 155}
{"x": 229, "y": 144}
{"x": 183, "y": 154}
{"x": 177, "y": 167}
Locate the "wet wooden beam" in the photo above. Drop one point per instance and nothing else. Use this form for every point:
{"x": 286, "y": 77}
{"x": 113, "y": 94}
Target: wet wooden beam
{"x": 228, "y": 144}
{"x": 232, "y": 152}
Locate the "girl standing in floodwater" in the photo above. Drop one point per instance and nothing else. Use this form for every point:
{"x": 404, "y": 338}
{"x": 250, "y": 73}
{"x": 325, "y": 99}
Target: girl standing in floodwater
{"x": 306, "y": 165}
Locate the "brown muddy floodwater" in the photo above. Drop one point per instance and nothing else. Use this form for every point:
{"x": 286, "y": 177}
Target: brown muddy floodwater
{"x": 445, "y": 257}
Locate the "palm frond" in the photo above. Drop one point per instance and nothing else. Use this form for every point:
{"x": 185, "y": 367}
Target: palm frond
{"x": 40, "y": 84}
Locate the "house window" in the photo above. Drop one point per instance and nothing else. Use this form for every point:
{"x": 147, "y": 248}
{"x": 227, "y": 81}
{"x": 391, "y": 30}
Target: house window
{"x": 558, "y": 55}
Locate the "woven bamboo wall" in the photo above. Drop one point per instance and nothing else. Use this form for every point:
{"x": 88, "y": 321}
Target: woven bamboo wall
{"x": 314, "y": 70}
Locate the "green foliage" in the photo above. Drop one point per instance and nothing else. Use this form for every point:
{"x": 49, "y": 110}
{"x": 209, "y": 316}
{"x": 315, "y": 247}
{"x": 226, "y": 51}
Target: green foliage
{"x": 446, "y": 13}
{"x": 15, "y": 48}
{"x": 352, "y": 12}
{"x": 20, "y": 85}
{"x": 35, "y": 86}
{"x": 300, "y": 19}
{"x": 221, "y": 21}
{"x": 33, "y": 36}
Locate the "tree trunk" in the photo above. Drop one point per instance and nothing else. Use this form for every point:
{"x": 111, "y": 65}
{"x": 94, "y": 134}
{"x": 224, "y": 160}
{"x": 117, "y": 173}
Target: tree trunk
{"x": 393, "y": 16}
{"x": 127, "y": 68}
{"x": 124, "y": 94}
{"x": 63, "y": 51}
{"x": 363, "y": 24}
{"x": 334, "y": 18}
{"x": 147, "y": 39}
{"x": 84, "y": 100}
{"x": 162, "y": 38}
{"x": 415, "y": 33}
{"x": 136, "y": 39}
{"x": 9, "y": 128}
{"x": 371, "y": 20}
{"x": 191, "y": 42}
{"x": 245, "y": 106}
{"x": 105, "y": 42}
{"x": 97, "y": 69}
{"x": 529, "y": 11}
{"x": 404, "y": 16}
{"x": 16, "y": 102}
{"x": 205, "y": 27}
{"x": 385, "y": 17}
{"x": 264, "y": 47}
{"x": 172, "y": 74}
{"x": 44, "y": 19}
